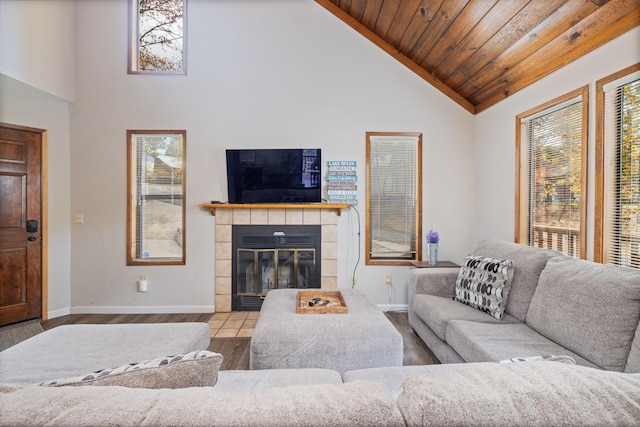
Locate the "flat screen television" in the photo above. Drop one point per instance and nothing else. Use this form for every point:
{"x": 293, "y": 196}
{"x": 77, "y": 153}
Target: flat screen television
{"x": 280, "y": 175}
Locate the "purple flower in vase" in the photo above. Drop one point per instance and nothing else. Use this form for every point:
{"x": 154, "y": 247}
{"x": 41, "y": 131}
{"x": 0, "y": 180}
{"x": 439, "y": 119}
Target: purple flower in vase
{"x": 433, "y": 236}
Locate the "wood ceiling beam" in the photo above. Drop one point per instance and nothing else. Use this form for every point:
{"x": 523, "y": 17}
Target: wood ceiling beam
{"x": 370, "y": 13}
{"x": 529, "y": 17}
{"x": 562, "y": 20}
{"x": 440, "y": 23}
{"x": 608, "y": 22}
{"x": 406, "y": 61}
{"x": 420, "y": 23}
{"x": 462, "y": 24}
{"x": 481, "y": 33}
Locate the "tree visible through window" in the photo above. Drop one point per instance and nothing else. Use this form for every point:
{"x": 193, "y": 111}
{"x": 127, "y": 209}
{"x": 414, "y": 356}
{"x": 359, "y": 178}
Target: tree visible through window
{"x": 156, "y": 181}
{"x": 157, "y": 36}
{"x": 617, "y": 239}
{"x": 551, "y": 205}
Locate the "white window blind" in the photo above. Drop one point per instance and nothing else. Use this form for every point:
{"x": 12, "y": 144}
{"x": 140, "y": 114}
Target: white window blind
{"x": 156, "y": 197}
{"x": 621, "y": 236}
{"x": 393, "y": 197}
{"x": 551, "y": 182}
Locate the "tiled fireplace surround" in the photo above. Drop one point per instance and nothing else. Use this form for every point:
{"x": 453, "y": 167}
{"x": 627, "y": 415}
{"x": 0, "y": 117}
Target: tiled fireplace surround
{"x": 226, "y": 218}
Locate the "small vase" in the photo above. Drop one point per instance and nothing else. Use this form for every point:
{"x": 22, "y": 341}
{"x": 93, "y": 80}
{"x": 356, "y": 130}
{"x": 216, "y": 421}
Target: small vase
{"x": 433, "y": 254}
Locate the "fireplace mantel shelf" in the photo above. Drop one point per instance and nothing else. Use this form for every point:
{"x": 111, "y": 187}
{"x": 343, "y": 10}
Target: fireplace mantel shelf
{"x": 337, "y": 206}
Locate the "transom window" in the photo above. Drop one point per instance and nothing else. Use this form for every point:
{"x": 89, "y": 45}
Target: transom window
{"x": 394, "y": 197}
{"x": 551, "y": 175}
{"x": 156, "y": 197}
{"x": 157, "y": 36}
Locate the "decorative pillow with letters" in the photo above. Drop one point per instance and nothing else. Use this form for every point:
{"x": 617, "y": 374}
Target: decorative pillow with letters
{"x": 484, "y": 283}
{"x": 194, "y": 369}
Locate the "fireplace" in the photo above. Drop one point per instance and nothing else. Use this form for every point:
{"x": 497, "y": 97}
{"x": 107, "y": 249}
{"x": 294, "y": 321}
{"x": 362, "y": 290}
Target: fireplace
{"x": 267, "y": 257}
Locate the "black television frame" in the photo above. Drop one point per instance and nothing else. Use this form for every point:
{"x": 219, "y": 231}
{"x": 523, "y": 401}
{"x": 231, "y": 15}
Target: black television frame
{"x": 274, "y": 175}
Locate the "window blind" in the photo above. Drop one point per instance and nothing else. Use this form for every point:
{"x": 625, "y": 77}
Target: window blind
{"x": 551, "y": 187}
{"x": 392, "y": 197}
{"x": 156, "y": 197}
{"x": 621, "y": 237}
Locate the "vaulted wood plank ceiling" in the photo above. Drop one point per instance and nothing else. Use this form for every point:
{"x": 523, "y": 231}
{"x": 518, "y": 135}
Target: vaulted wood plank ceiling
{"x": 478, "y": 52}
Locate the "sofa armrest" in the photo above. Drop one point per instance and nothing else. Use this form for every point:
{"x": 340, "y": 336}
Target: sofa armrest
{"x": 433, "y": 281}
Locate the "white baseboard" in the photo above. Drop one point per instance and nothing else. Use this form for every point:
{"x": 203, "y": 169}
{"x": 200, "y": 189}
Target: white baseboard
{"x": 142, "y": 309}
{"x": 58, "y": 313}
{"x": 393, "y": 307}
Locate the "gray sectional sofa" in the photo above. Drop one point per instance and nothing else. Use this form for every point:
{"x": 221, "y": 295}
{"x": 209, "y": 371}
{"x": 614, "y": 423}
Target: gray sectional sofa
{"x": 540, "y": 393}
{"x": 556, "y": 305}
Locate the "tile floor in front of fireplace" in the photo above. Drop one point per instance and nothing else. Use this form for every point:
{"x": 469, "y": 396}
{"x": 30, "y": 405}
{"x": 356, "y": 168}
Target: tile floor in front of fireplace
{"x": 237, "y": 324}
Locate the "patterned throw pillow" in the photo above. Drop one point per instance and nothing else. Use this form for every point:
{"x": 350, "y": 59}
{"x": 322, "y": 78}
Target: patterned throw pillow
{"x": 194, "y": 369}
{"x": 484, "y": 283}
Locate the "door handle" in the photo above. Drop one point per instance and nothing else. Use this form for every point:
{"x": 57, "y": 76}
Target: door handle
{"x": 32, "y": 238}
{"x": 32, "y": 226}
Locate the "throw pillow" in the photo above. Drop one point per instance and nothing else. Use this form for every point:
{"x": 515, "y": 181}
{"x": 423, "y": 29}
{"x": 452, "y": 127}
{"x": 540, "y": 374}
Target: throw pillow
{"x": 484, "y": 283}
{"x": 547, "y": 358}
{"x": 194, "y": 369}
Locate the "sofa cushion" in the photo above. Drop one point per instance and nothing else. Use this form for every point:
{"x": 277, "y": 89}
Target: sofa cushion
{"x": 547, "y": 358}
{"x": 521, "y": 394}
{"x": 392, "y": 378}
{"x": 73, "y": 350}
{"x": 194, "y": 369}
{"x": 485, "y": 342}
{"x": 436, "y": 312}
{"x": 633, "y": 361}
{"x": 299, "y": 405}
{"x": 242, "y": 380}
{"x": 483, "y": 283}
{"x": 528, "y": 262}
{"x": 589, "y": 308}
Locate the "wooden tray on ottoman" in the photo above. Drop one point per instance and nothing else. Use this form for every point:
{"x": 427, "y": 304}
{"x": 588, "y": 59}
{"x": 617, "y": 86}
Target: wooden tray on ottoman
{"x": 335, "y": 298}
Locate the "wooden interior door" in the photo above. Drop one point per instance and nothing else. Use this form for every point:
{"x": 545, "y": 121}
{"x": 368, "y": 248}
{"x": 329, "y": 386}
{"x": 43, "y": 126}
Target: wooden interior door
{"x": 20, "y": 223}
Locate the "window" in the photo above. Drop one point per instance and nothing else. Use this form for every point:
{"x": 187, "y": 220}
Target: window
{"x": 551, "y": 142}
{"x": 617, "y": 225}
{"x": 394, "y": 204}
{"x": 157, "y": 36}
{"x": 156, "y": 197}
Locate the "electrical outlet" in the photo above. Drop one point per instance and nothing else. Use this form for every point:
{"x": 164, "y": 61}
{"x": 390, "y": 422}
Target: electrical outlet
{"x": 142, "y": 283}
{"x": 387, "y": 279}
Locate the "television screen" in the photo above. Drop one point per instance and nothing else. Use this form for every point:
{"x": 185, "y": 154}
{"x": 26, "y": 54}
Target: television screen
{"x": 274, "y": 176}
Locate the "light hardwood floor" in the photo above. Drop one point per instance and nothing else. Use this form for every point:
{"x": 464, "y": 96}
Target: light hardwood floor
{"x": 235, "y": 349}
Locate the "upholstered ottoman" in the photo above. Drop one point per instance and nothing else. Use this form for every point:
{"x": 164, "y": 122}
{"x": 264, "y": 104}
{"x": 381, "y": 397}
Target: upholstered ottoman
{"x": 361, "y": 338}
{"x": 73, "y": 350}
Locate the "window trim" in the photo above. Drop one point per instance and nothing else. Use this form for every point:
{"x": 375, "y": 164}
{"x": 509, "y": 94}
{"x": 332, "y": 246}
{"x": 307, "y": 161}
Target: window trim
{"x": 521, "y": 165}
{"x": 599, "y": 214}
{"x": 132, "y": 259}
{"x": 133, "y": 54}
{"x": 418, "y": 213}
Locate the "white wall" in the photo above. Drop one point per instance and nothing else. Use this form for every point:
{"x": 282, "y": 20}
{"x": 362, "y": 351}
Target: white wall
{"x": 37, "y": 44}
{"x": 277, "y": 73}
{"x": 25, "y": 106}
{"x": 254, "y": 80}
{"x": 495, "y": 134}
{"x": 36, "y": 83}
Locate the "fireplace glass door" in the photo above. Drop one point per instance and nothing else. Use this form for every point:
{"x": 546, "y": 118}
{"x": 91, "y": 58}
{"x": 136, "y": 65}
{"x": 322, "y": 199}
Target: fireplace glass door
{"x": 260, "y": 270}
